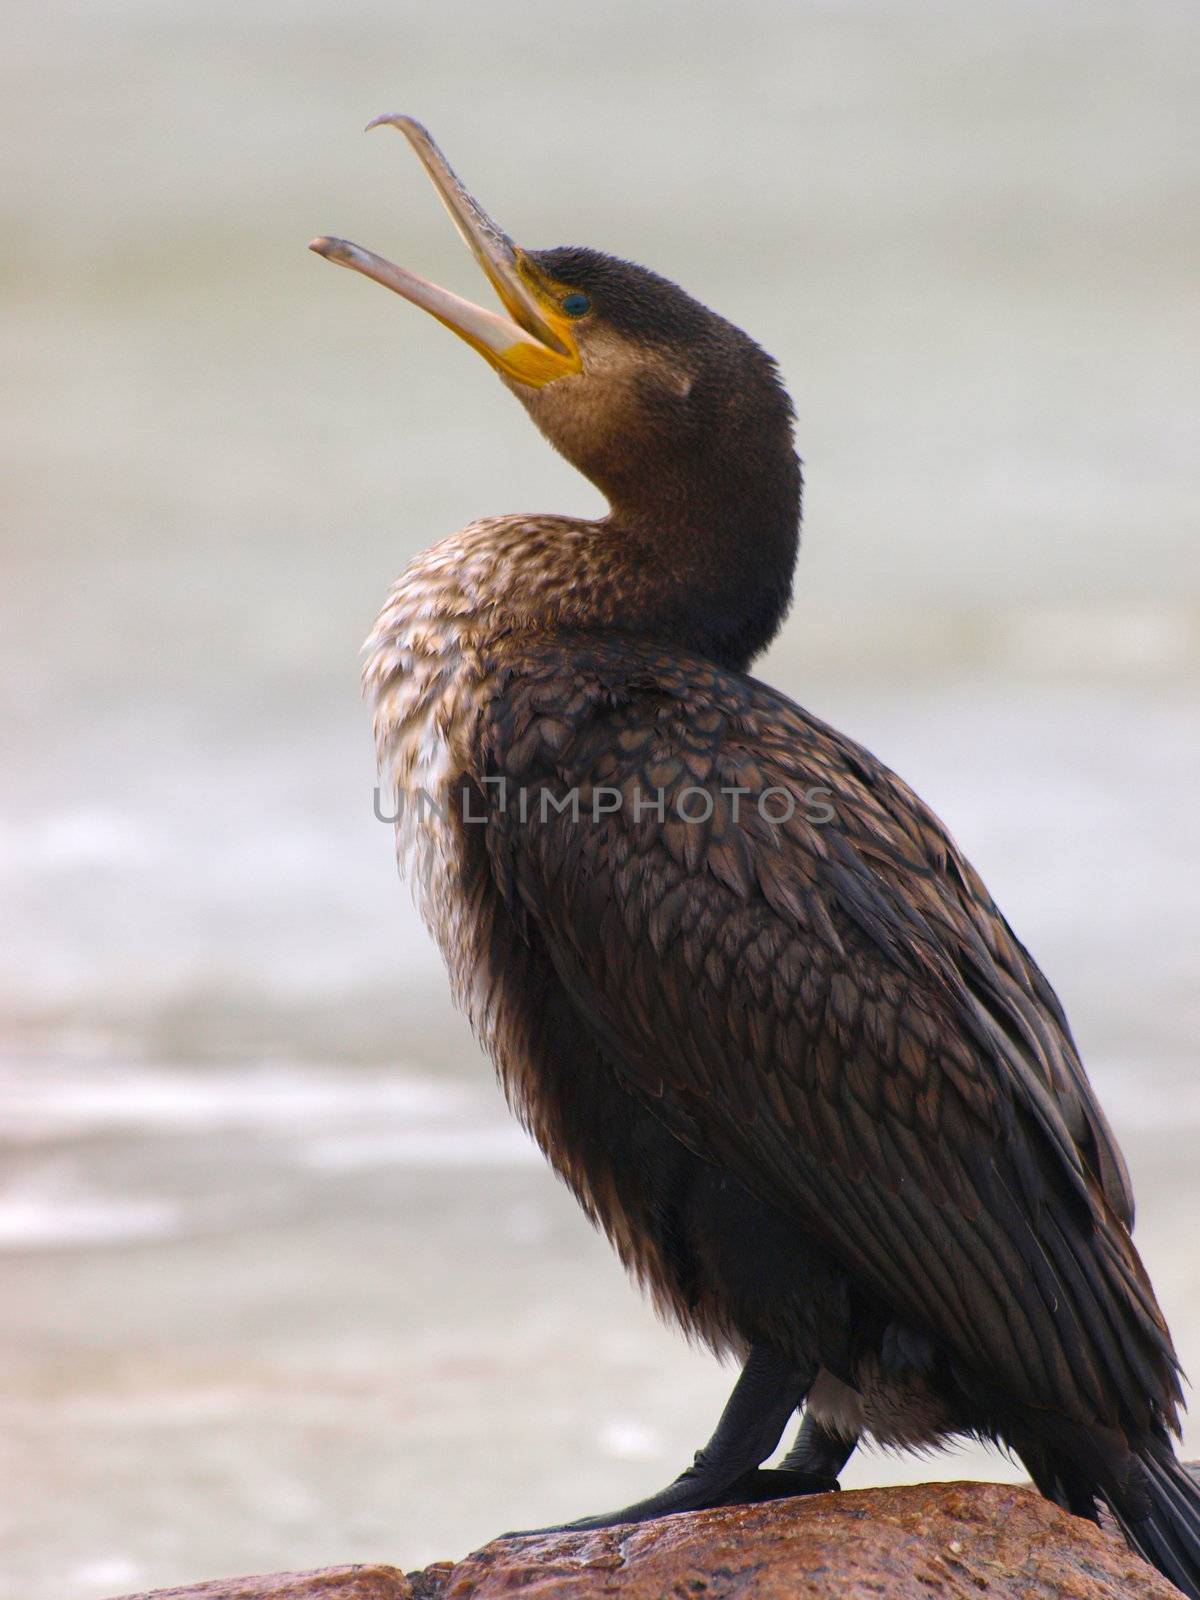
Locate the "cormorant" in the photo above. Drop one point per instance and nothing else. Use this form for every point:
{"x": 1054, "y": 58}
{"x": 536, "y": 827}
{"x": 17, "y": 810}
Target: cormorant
{"x": 755, "y": 1006}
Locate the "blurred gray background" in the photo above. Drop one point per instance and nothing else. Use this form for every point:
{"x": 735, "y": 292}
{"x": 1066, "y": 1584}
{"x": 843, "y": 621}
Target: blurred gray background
{"x": 282, "y": 1286}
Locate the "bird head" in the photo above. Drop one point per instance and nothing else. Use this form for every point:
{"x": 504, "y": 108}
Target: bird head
{"x": 649, "y": 393}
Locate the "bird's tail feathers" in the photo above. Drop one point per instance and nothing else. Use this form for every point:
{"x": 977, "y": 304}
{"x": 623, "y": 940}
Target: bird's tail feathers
{"x": 1161, "y": 1517}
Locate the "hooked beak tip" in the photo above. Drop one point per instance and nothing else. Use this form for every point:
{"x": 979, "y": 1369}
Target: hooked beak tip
{"x": 396, "y": 119}
{"x": 340, "y": 251}
{"x": 527, "y": 344}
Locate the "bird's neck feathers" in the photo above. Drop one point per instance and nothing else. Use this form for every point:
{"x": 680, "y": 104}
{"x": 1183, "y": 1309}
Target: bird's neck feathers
{"x": 714, "y": 548}
{"x": 699, "y": 468}
{"x": 703, "y": 563}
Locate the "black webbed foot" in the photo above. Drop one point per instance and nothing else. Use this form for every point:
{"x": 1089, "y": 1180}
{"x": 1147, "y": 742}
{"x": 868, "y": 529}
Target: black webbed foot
{"x": 726, "y": 1471}
{"x": 690, "y": 1492}
{"x": 775, "y": 1483}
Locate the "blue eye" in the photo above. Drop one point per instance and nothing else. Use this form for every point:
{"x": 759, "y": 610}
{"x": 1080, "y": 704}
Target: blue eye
{"x": 576, "y": 305}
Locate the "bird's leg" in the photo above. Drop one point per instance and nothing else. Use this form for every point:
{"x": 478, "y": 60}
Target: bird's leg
{"x": 818, "y": 1452}
{"x": 811, "y": 1466}
{"x": 725, "y": 1471}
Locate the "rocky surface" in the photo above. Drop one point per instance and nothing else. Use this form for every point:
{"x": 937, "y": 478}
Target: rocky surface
{"x": 935, "y": 1541}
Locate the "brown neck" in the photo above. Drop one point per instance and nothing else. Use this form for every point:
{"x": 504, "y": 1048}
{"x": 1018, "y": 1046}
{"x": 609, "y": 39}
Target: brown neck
{"x": 710, "y": 555}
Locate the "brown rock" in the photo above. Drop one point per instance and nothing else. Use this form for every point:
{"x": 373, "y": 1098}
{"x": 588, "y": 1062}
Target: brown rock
{"x": 328, "y": 1583}
{"x": 933, "y": 1541}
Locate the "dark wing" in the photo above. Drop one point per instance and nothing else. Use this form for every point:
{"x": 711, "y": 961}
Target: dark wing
{"x": 921, "y": 863}
{"x": 820, "y": 997}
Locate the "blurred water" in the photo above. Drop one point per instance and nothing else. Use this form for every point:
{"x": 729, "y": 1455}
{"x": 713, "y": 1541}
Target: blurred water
{"x": 283, "y": 1286}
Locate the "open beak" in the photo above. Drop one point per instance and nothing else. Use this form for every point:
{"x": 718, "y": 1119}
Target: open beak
{"x": 534, "y": 343}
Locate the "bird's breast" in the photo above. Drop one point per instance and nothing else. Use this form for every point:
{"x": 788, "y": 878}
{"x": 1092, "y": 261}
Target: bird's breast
{"x": 424, "y": 677}
{"x": 451, "y": 630}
